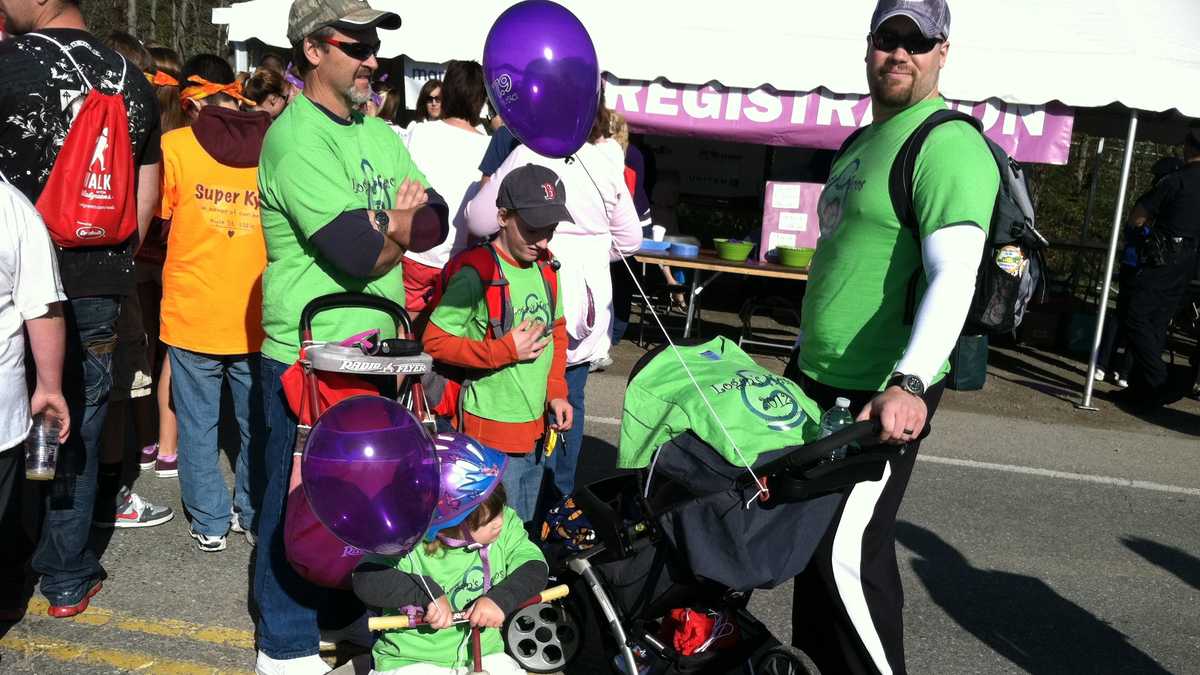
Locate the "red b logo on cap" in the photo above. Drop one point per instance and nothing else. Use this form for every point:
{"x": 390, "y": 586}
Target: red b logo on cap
{"x": 550, "y": 192}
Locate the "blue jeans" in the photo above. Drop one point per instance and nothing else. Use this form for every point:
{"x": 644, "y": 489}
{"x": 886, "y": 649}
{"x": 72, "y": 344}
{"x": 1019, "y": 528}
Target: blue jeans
{"x": 196, "y": 389}
{"x": 522, "y": 482}
{"x": 563, "y": 462}
{"x": 287, "y": 604}
{"x": 63, "y": 558}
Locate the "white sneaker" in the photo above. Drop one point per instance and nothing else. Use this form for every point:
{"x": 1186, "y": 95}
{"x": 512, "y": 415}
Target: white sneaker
{"x": 305, "y": 665}
{"x": 207, "y": 543}
{"x": 1099, "y": 376}
{"x": 356, "y": 633}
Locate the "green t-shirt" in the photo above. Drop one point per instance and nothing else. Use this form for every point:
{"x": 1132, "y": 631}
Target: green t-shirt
{"x": 761, "y": 411}
{"x": 853, "y": 319}
{"x": 312, "y": 170}
{"x": 460, "y": 574}
{"x": 517, "y": 392}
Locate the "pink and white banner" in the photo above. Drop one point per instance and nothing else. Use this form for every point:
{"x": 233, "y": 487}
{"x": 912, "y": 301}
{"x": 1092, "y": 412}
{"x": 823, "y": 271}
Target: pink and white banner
{"x": 818, "y": 119}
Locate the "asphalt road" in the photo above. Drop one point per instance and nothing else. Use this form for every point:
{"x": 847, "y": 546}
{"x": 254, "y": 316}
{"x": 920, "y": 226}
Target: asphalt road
{"x": 1033, "y": 538}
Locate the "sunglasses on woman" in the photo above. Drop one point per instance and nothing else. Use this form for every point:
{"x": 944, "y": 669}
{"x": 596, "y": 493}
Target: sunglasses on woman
{"x": 359, "y": 51}
{"x": 915, "y": 43}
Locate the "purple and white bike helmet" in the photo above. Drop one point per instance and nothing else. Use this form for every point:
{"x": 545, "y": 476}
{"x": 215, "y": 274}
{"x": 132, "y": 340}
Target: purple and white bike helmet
{"x": 469, "y": 474}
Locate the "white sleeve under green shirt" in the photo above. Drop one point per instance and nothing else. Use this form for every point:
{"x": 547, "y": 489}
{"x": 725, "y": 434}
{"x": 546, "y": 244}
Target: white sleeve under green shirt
{"x": 853, "y": 319}
{"x": 312, "y": 170}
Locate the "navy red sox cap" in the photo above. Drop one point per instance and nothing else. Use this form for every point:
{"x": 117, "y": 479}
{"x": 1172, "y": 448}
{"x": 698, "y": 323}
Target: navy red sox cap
{"x": 537, "y": 194}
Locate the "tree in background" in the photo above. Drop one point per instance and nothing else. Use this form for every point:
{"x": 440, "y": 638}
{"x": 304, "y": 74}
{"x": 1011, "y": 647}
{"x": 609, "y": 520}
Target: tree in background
{"x": 183, "y": 25}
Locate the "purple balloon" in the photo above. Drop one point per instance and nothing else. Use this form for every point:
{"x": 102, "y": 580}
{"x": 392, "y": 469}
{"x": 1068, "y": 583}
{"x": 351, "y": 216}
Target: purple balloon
{"x": 543, "y": 76}
{"x": 370, "y": 474}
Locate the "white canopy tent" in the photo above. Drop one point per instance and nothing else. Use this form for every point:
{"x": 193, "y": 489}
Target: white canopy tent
{"x": 1085, "y": 53}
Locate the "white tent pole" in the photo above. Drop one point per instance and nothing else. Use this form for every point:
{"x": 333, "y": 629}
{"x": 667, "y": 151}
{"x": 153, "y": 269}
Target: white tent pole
{"x": 1086, "y": 403}
{"x": 241, "y": 57}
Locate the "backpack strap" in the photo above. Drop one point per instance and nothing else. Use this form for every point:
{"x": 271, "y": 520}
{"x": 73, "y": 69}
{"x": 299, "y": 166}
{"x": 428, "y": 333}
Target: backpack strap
{"x": 901, "y": 182}
{"x": 499, "y": 300}
{"x": 67, "y": 52}
{"x": 548, "y": 266}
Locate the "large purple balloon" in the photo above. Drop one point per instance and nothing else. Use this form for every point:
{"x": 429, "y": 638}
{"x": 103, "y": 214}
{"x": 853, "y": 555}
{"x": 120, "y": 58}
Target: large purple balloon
{"x": 370, "y": 474}
{"x": 542, "y": 76}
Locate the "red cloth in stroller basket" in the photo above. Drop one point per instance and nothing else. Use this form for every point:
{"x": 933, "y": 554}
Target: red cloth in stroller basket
{"x": 314, "y": 552}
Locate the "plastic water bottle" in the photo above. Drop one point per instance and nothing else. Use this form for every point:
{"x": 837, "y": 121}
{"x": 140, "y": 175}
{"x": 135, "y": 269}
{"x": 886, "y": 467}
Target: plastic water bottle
{"x": 836, "y": 418}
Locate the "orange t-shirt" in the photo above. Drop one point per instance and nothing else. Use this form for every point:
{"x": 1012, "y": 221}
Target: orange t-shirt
{"x": 212, "y": 277}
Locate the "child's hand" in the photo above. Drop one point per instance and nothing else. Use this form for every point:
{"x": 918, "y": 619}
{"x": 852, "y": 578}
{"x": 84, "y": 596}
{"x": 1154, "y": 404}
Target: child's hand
{"x": 483, "y": 613}
{"x": 563, "y": 414}
{"x": 438, "y": 614}
{"x": 528, "y": 340}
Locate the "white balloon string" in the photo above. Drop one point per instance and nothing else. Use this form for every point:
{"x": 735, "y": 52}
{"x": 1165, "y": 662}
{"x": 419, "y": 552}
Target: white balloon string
{"x": 762, "y": 488}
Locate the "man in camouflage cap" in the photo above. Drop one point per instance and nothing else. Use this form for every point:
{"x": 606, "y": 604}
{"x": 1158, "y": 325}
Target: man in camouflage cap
{"x": 341, "y": 201}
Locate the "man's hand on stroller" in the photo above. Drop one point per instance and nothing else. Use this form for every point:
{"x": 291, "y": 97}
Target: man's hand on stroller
{"x": 901, "y": 414}
{"x": 529, "y": 341}
{"x": 483, "y": 613}
{"x": 562, "y": 414}
{"x": 438, "y": 614}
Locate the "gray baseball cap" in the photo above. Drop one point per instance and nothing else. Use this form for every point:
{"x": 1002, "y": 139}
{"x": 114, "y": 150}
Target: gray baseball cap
{"x": 309, "y": 16}
{"x": 931, "y": 16}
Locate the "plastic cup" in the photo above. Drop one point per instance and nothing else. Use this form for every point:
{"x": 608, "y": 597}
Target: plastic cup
{"x": 41, "y": 449}
{"x": 657, "y": 232}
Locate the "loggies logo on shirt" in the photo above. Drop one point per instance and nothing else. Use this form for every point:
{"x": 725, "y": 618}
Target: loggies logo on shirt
{"x": 380, "y": 190}
{"x": 535, "y": 308}
{"x": 767, "y": 397}
{"x": 832, "y": 206}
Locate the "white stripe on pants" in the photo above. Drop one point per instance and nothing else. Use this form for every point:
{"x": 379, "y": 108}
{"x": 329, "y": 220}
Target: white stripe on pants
{"x": 847, "y": 561}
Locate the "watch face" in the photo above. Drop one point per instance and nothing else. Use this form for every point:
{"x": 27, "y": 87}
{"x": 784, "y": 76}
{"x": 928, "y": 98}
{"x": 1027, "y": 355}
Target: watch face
{"x": 913, "y": 384}
{"x": 381, "y": 221}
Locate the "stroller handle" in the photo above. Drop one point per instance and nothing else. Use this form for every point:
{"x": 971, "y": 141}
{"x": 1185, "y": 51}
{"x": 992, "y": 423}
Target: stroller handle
{"x": 344, "y": 300}
{"x": 804, "y": 455}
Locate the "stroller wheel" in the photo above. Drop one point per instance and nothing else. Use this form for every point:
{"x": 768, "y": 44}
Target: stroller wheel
{"x": 542, "y": 638}
{"x": 785, "y": 660}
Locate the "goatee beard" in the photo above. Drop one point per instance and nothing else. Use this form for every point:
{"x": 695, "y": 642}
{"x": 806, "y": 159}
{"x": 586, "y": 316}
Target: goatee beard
{"x": 357, "y": 96}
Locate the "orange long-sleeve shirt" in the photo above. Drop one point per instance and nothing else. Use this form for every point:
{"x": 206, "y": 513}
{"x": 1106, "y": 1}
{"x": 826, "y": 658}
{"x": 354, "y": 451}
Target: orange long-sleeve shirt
{"x": 491, "y": 354}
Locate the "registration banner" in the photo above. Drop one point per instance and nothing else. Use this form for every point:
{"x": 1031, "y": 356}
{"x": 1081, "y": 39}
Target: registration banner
{"x": 818, "y": 119}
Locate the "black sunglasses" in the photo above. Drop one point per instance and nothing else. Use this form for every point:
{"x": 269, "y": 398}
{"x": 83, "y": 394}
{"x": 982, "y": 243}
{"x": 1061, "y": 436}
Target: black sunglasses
{"x": 915, "y": 43}
{"x": 359, "y": 51}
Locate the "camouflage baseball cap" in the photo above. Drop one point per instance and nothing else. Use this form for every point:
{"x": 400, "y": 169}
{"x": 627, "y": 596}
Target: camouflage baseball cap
{"x": 309, "y": 16}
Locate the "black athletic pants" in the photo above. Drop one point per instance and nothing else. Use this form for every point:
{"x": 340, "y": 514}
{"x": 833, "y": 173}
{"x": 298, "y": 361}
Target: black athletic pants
{"x": 847, "y": 605}
{"x": 1157, "y": 292}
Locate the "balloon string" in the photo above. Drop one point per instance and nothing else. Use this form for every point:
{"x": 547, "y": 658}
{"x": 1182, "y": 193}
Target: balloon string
{"x": 762, "y": 488}
{"x": 421, "y": 573}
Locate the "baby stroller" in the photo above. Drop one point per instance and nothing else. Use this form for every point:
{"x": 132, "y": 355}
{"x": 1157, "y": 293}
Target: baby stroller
{"x": 691, "y": 531}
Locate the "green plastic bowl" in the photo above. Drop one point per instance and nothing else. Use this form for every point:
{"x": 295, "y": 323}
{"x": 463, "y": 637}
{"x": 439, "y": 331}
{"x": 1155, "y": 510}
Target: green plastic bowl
{"x": 737, "y": 251}
{"x": 795, "y": 257}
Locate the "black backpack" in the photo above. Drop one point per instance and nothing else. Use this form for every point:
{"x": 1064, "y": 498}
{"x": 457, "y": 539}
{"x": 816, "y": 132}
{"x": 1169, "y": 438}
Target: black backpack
{"x": 1011, "y": 270}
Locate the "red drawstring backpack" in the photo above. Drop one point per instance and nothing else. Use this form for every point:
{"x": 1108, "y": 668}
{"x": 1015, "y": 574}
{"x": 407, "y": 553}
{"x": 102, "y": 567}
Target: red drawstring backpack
{"x": 88, "y": 199}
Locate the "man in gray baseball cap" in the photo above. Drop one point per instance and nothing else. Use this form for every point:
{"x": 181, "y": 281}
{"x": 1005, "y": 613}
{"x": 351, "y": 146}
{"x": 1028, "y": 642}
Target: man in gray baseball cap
{"x": 870, "y": 341}
{"x": 932, "y": 17}
{"x": 341, "y": 202}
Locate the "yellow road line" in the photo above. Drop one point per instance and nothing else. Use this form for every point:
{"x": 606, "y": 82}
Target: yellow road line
{"x": 66, "y": 652}
{"x": 171, "y": 628}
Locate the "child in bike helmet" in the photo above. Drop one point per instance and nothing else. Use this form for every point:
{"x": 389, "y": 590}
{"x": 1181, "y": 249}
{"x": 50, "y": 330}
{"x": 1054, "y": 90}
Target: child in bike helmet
{"x": 476, "y": 559}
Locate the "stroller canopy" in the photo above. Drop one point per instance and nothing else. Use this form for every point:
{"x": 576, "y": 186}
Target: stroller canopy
{"x": 761, "y": 411}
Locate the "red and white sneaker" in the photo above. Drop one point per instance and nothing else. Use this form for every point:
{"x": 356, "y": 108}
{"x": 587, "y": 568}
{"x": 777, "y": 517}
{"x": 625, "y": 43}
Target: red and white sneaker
{"x": 137, "y": 512}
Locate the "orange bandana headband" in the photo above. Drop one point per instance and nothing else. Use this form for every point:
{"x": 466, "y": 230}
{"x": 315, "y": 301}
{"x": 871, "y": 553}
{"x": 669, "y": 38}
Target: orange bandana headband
{"x": 202, "y": 88}
{"x": 162, "y": 79}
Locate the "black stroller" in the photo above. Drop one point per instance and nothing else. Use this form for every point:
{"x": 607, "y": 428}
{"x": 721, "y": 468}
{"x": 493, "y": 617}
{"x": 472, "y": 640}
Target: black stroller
{"x": 689, "y": 532}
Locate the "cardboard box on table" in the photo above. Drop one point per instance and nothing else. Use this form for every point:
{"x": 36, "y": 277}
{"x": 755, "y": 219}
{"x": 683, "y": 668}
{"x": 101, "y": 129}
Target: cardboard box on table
{"x": 789, "y": 217}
